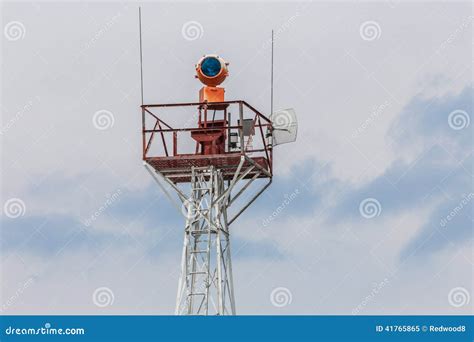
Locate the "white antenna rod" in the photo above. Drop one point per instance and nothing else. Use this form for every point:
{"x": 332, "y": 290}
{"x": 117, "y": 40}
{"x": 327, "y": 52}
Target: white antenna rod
{"x": 141, "y": 53}
{"x": 271, "y": 86}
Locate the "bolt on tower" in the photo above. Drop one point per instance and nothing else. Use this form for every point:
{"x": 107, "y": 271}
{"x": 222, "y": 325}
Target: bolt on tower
{"x": 212, "y": 166}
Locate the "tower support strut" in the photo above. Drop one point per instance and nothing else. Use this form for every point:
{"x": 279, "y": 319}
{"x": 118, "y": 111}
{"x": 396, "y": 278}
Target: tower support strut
{"x": 205, "y": 285}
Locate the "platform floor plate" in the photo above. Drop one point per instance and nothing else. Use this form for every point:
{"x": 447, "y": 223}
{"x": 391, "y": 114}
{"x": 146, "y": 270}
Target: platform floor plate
{"x": 178, "y": 168}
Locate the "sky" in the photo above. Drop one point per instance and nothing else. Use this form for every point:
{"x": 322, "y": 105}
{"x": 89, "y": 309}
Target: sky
{"x": 380, "y": 178}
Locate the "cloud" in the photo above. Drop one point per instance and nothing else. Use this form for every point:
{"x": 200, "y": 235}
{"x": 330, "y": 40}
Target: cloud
{"x": 427, "y": 121}
{"x": 440, "y": 175}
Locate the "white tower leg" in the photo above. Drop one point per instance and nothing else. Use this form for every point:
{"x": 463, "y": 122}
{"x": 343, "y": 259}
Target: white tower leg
{"x": 205, "y": 286}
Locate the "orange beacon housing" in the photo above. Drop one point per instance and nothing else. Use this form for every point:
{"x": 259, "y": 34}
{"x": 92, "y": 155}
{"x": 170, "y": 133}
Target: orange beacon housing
{"x": 212, "y": 71}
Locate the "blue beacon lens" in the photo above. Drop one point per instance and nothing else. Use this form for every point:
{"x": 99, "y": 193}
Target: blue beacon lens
{"x": 210, "y": 66}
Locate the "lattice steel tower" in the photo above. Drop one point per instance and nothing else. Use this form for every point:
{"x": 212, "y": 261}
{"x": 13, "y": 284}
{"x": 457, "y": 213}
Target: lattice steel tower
{"x": 225, "y": 161}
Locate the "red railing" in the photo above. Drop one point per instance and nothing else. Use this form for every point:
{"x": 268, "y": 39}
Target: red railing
{"x": 153, "y": 123}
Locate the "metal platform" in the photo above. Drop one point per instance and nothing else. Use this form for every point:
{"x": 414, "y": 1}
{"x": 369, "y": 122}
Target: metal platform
{"x": 244, "y": 161}
{"x": 179, "y": 169}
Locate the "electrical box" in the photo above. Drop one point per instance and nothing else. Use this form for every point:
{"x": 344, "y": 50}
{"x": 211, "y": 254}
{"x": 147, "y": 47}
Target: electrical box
{"x": 248, "y": 127}
{"x": 211, "y": 94}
